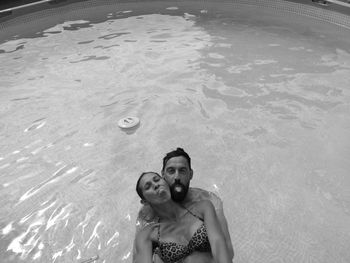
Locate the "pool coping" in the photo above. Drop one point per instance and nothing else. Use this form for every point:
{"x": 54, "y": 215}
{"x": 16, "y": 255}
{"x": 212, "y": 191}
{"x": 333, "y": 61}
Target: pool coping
{"x": 337, "y": 11}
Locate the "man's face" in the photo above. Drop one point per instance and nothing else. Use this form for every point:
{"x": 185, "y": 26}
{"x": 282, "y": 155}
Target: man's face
{"x": 177, "y": 168}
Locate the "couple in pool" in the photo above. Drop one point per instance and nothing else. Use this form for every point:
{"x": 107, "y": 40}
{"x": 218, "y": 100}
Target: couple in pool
{"x": 177, "y": 223}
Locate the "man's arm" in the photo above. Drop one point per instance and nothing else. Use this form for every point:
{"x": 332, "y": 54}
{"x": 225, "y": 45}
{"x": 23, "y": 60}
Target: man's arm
{"x": 144, "y": 218}
{"x": 225, "y": 230}
{"x": 138, "y": 228}
{"x": 157, "y": 259}
{"x": 216, "y": 236}
{"x": 219, "y": 209}
{"x": 198, "y": 194}
{"x": 143, "y": 245}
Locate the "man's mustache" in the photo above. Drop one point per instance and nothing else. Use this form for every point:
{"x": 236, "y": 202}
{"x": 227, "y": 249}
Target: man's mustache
{"x": 177, "y": 183}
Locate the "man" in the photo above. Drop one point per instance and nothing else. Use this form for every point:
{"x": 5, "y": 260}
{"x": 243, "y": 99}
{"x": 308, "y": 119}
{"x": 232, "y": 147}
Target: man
{"x": 178, "y": 173}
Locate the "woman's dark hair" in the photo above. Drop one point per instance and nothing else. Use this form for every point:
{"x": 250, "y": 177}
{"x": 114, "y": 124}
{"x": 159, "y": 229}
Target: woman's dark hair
{"x": 138, "y": 189}
{"x": 176, "y": 153}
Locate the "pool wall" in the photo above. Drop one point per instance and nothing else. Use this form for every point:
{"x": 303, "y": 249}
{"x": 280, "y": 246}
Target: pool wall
{"x": 333, "y": 11}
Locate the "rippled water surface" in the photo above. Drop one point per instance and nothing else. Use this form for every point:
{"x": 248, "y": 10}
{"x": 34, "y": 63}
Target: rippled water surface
{"x": 261, "y": 103}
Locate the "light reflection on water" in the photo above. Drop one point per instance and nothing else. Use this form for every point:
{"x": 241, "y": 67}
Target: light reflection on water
{"x": 262, "y": 102}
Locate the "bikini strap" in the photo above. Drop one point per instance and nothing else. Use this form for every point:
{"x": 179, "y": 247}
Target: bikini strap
{"x": 188, "y": 210}
{"x": 158, "y": 230}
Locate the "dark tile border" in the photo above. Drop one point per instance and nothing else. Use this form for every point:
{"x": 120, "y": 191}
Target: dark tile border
{"x": 332, "y": 13}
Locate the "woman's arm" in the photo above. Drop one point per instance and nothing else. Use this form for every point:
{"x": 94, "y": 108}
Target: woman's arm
{"x": 143, "y": 245}
{"x": 215, "y": 235}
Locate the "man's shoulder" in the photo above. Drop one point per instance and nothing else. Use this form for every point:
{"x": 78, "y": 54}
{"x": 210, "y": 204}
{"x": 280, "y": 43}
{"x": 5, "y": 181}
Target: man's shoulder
{"x": 198, "y": 194}
{"x": 146, "y": 216}
{"x": 201, "y": 193}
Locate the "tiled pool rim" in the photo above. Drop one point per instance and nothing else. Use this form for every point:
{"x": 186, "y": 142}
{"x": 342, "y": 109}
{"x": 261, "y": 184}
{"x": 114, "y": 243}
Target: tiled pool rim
{"x": 332, "y": 13}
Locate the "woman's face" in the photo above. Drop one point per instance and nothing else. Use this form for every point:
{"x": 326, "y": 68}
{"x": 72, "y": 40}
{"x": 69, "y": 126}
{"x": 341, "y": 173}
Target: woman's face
{"x": 154, "y": 188}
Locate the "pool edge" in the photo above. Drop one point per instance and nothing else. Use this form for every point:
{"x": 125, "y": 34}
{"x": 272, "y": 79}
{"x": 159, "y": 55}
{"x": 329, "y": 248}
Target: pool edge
{"x": 333, "y": 13}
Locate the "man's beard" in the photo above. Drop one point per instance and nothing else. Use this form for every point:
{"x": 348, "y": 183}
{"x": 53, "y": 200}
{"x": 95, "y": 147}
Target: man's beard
{"x": 178, "y": 191}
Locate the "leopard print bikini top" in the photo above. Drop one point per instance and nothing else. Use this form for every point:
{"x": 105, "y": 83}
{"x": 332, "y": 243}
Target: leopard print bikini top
{"x": 171, "y": 252}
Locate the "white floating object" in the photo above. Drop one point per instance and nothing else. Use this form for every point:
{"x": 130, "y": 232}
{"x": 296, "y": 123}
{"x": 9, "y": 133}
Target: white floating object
{"x": 187, "y": 15}
{"x": 128, "y": 122}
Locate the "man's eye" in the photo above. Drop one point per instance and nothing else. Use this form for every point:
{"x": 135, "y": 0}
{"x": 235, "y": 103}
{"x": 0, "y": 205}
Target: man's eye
{"x": 156, "y": 179}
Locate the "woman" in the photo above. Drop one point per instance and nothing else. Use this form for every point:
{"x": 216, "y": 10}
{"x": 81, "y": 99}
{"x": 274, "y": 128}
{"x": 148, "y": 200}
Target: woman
{"x": 188, "y": 235}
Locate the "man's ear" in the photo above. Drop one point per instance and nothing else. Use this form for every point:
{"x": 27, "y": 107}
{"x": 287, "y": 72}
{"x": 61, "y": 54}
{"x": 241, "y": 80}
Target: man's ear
{"x": 191, "y": 174}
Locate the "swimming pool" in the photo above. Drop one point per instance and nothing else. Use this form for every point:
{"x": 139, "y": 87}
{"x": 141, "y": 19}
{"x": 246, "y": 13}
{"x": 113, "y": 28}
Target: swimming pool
{"x": 260, "y": 102}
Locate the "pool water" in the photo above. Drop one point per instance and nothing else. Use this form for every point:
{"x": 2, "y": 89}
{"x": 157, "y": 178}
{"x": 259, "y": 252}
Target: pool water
{"x": 261, "y": 104}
